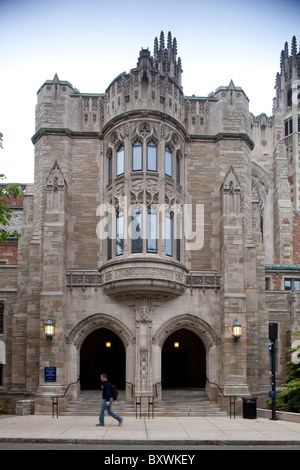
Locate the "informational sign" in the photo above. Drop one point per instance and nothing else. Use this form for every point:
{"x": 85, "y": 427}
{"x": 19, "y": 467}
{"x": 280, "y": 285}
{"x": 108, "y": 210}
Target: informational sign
{"x": 50, "y": 374}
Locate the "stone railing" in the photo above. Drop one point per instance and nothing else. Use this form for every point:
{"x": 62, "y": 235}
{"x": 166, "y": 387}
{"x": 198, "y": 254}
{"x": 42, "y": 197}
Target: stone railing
{"x": 84, "y": 279}
{"x": 204, "y": 280}
{"x": 193, "y": 279}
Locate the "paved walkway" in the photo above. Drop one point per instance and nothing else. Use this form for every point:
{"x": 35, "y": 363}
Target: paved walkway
{"x": 173, "y": 430}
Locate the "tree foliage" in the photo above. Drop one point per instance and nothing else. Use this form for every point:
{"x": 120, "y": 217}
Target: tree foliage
{"x": 289, "y": 399}
{"x": 6, "y": 191}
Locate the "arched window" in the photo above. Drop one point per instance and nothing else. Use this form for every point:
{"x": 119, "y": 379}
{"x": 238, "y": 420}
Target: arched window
{"x": 177, "y": 168}
{"x": 120, "y": 233}
{"x": 151, "y": 156}
{"x": 169, "y": 233}
{"x": 109, "y": 167}
{"x": 151, "y": 230}
{"x": 136, "y": 241}
{"x": 137, "y": 156}
{"x": 168, "y": 161}
{"x": 120, "y": 160}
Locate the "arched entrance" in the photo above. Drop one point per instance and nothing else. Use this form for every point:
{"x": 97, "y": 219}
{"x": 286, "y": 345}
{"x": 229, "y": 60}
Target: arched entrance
{"x": 183, "y": 360}
{"x": 102, "y": 351}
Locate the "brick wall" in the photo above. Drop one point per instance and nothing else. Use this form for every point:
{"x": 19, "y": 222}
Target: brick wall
{"x": 9, "y": 253}
{"x": 296, "y": 238}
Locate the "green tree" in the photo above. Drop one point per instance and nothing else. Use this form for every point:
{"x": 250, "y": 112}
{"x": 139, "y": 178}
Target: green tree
{"x": 6, "y": 191}
{"x": 289, "y": 399}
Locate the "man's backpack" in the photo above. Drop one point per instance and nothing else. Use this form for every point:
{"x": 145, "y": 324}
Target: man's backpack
{"x": 115, "y": 392}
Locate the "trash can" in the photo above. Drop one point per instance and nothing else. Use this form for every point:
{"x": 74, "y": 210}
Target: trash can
{"x": 249, "y": 408}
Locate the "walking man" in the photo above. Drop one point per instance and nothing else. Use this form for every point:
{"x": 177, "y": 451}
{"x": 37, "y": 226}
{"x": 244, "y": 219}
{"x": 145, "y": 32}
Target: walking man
{"x": 107, "y": 394}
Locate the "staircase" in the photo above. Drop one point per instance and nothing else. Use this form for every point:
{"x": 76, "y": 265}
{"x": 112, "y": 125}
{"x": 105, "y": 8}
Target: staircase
{"x": 186, "y": 402}
{"x": 179, "y": 402}
{"x": 89, "y": 402}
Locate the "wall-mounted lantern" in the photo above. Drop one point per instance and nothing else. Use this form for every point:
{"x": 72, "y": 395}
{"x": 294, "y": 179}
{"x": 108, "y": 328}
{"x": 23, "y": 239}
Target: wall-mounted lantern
{"x": 108, "y": 344}
{"x": 176, "y": 344}
{"x": 236, "y": 330}
{"x": 49, "y": 329}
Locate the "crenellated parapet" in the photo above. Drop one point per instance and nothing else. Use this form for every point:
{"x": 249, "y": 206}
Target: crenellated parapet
{"x": 154, "y": 85}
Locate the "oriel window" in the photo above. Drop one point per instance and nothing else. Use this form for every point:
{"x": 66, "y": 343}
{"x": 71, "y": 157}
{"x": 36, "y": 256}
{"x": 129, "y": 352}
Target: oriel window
{"x": 109, "y": 168}
{"x": 120, "y": 160}
{"x": 151, "y": 230}
{"x": 168, "y": 161}
{"x": 120, "y": 233}
{"x": 136, "y": 243}
{"x": 177, "y": 168}
{"x": 151, "y": 156}
{"x": 169, "y": 234}
{"x": 137, "y": 156}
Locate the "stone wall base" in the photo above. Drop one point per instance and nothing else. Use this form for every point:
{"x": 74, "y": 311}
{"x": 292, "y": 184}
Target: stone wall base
{"x": 24, "y": 407}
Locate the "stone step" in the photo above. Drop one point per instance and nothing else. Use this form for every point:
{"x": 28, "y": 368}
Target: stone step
{"x": 179, "y": 402}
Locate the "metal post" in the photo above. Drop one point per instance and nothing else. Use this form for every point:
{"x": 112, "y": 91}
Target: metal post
{"x": 150, "y": 403}
{"x": 232, "y": 403}
{"x": 273, "y": 352}
{"x": 54, "y": 403}
{"x": 273, "y": 334}
{"x": 138, "y": 403}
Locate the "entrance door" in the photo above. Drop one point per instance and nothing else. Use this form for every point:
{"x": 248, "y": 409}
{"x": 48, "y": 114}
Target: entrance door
{"x": 183, "y": 361}
{"x": 102, "y": 352}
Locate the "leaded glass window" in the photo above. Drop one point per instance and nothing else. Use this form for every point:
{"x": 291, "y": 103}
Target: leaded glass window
{"x": 120, "y": 160}
{"x": 168, "y": 161}
{"x": 137, "y": 156}
{"x": 151, "y": 156}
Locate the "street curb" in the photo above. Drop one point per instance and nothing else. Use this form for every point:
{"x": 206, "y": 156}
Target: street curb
{"x": 144, "y": 442}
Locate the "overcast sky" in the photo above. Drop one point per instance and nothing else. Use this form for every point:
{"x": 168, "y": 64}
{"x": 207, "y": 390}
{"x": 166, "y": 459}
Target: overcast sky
{"x": 90, "y": 42}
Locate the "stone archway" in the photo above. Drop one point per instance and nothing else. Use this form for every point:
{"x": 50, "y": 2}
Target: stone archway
{"x": 183, "y": 361}
{"x": 96, "y": 321}
{"x": 102, "y": 352}
{"x": 208, "y": 344}
{"x": 206, "y": 333}
{"x": 87, "y": 342}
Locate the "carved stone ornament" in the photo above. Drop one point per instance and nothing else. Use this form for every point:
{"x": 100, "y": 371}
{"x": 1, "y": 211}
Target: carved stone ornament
{"x": 96, "y": 321}
{"x": 56, "y": 181}
{"x": 143, "y": 308}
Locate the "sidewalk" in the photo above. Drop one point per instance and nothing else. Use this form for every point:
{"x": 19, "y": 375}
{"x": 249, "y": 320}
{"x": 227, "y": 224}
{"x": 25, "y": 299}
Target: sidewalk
{"x": 173, "y": 430}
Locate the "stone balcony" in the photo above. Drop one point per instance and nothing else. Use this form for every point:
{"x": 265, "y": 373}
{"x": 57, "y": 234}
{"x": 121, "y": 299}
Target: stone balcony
{"x": 135, "y": 278}
{"x": 143, "y": 277}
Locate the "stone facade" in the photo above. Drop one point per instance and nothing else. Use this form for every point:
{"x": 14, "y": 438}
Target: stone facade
{"x": 155, "y": 214}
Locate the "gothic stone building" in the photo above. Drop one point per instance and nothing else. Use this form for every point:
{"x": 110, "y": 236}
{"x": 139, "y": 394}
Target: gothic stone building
{"x": 155, "y": 222}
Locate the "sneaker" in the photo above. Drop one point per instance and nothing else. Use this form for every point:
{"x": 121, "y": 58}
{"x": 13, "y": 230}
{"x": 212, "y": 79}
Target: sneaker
{"x": 99, "y": 424}
{"x": 120, "y": 422}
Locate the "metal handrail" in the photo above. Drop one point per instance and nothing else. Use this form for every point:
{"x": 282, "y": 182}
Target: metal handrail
{"x": 230, "y": 398}
{"x": 217, "y": 385}
{"x": 132, "y": 388}
{"x": 55, "y": 398}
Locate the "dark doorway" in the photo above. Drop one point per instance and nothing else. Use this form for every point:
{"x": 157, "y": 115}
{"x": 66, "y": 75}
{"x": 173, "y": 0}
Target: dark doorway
{"x": 96, "y": 358}
{"x": 185, "y": 365}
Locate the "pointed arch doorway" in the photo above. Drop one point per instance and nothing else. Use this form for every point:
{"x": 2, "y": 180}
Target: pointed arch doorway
{"x": 183, "y": 360}
{"x": 102, "y": 351}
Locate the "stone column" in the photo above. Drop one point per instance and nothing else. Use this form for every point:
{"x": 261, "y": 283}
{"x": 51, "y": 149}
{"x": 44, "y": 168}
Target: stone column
{"x": 233, "y": 296}
{"x": 52, "y": 295}
{"x": 143, "y": 373}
